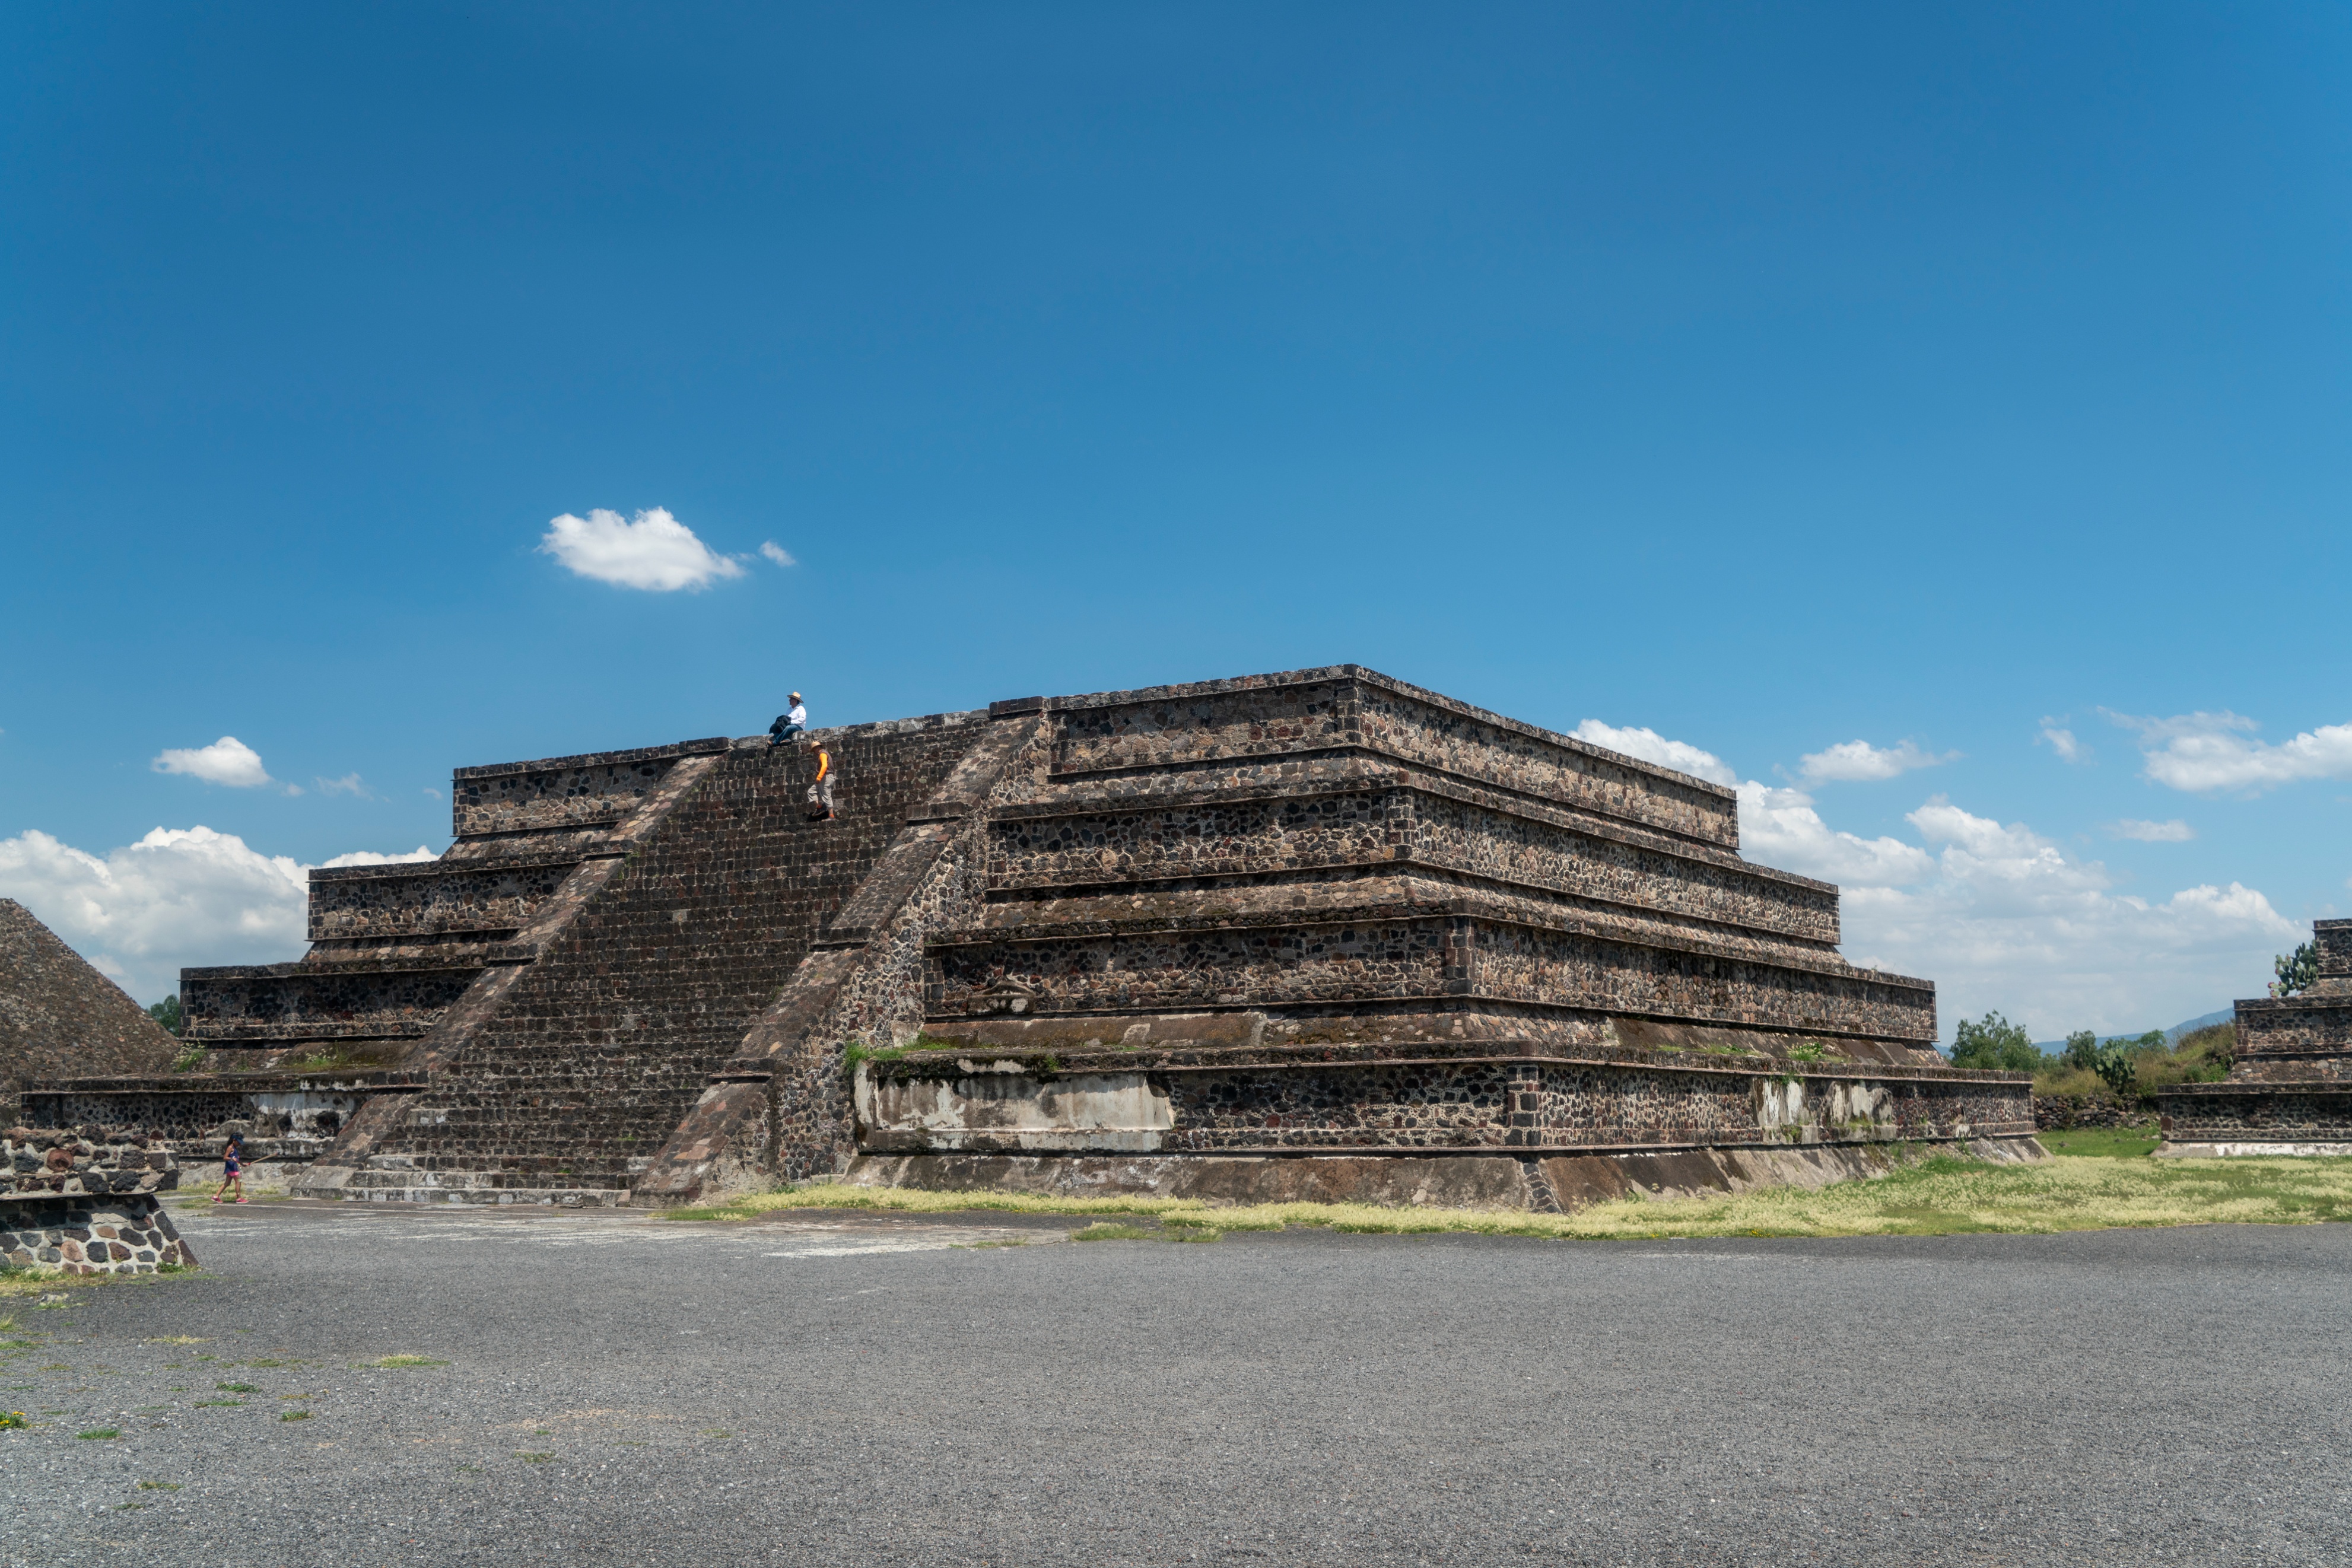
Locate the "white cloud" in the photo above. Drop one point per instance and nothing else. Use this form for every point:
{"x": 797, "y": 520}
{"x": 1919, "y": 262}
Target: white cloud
{"x": 655, "y": 551}
{"x": 349, "y": 784}
{"x": 178, "y": 897}
{"x": 1780, "y": 827}
{"x": 777, "y": 553}
{"x": 227, "y": 760}
{"x": 2175, "y": 832}
{"x": 2000, "y": 917}
{"x": 1854, "y": 761}
{"x": 2010, "y": 921}
{"x": 2205, "y": 753}
{"x": 1649, "y": 746}
{"x": 2062, "y": 740}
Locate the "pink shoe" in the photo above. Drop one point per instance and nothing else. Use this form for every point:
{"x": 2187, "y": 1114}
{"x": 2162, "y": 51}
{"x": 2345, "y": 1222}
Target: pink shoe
{"x": 216, "y": 1200}
{"x": 240, "y": 1201}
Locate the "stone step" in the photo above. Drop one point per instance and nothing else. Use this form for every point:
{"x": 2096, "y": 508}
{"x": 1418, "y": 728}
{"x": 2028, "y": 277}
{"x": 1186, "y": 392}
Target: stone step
{"x": 544, "y": 1197}
{"x": 430, "y": 897}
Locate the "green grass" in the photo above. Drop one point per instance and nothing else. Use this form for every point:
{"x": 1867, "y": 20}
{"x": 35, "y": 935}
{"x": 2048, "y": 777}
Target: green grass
{"x": 2102, "y": 1143}
{"x": 398, "y": 1362}
{"x": 1103, "y": 1230}
{"x": 100, "y": 1434}
{"x": 295, "y": 1416}
{"x": 237, "y": 1388}
{"x": 1940, "y": 1195}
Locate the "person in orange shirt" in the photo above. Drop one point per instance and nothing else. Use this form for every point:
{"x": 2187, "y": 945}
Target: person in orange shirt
{"x": 821, "y": 789}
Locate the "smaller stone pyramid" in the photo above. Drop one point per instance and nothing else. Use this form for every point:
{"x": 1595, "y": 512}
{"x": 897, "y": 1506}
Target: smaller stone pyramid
{"x": 2290, "y": 1090}
{"x": 59, "y": 1018}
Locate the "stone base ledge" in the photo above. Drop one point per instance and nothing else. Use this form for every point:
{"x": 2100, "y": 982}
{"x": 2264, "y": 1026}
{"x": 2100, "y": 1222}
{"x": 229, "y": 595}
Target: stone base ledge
{"x": 1549, "y": 1184}
{"x": 2171, "y": 1150}
{"x": 482, "y": 1196}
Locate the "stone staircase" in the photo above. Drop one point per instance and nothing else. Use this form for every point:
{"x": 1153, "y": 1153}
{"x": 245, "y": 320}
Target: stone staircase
{"x": 600, "y": 1006}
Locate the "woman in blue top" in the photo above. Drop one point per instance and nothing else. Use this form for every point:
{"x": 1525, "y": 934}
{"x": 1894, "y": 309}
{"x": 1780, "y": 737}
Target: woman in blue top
{"x": 233, "y": 1167}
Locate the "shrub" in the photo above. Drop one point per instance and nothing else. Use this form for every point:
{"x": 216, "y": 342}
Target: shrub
{"x": 2082, "y": 1049}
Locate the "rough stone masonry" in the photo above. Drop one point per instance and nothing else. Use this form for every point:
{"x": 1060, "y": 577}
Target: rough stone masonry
{"x": 2289, "y": 1091}
{"x": 1319, "y": 933}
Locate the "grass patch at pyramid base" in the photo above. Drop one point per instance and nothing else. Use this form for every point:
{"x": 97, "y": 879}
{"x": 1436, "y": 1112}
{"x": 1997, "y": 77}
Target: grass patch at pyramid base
{"x": 1941, "y": 1195}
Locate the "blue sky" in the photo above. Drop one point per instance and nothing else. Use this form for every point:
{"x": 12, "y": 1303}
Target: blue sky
{"x": 1766, "y": 378}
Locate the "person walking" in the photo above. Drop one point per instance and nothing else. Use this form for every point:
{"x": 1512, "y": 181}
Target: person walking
{"x": 789, "y": 724}
{"x": 821, "y": 788}
{"x": 232, "y": 1167}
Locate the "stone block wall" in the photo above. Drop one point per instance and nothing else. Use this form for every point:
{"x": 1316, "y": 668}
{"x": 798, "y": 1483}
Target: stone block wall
{"x": 78, "y": 1162}
{"x": 1421, "y": 1099}
{"x": 2259, "y": 1112}
{"x": 283, "y": 1117}
{"x": 91, "y": 1235}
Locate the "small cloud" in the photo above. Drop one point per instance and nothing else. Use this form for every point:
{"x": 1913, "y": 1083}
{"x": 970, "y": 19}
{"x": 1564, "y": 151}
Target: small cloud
{"x": 655, "y": 551}
{"x": 777, "y": 553}
{"x": 1858, "y": 760}
{"x": 435, "y": 794}
{"x": 227, "y": 760}
{"x": 349, "y": 784}
{"x": 2059, "y": 740}
{"x": 2175, "y": 832}
{"x": 1649, "y": 746}
{"x": 370, "y": 857}
{"x": 2204, "y": 753}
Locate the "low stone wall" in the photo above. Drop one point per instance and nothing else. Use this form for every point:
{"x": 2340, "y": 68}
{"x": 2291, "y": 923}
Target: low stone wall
{"x": 2258, "y": 1112}
{"x": 78, "y": 1162}
{"x": 280, "y": 1115}
{"x": 90, "y": 1235}
{"x": 85, "y": 1199}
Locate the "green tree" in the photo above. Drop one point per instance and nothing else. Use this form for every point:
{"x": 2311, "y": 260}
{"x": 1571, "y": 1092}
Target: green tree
{"x": 2082, "y": 1049}
{"x": 167, "y": 1013}
{"x": 2296, "y": 970}
{"x": 1995, "y": 1044}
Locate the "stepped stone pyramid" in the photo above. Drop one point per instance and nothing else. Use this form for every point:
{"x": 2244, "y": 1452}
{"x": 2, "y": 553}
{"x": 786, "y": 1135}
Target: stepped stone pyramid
{"x": 60, "y": 1016}
{"x": 1317, "y": 932}
{"x": 2289, "y": 1091}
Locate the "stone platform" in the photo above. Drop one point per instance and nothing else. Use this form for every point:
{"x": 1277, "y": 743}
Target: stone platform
{"x": 2289, "y": 1091}
{"x": 1316, "y": 914}
{"x": 87, "y": 1200}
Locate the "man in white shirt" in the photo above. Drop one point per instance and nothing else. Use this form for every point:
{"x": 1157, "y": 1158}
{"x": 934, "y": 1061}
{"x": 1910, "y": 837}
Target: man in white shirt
{"x": 787, "y": 725}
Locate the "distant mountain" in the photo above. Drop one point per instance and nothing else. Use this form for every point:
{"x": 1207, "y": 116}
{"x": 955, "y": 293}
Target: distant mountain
{"x": 2172, "y": 1035}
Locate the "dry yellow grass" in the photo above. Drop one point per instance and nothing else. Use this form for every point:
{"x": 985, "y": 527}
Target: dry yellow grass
{"x": 1938, "y": 1196}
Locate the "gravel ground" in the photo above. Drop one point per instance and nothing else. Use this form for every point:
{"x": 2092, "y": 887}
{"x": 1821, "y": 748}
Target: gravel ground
{"x": 868, "y": 1389}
